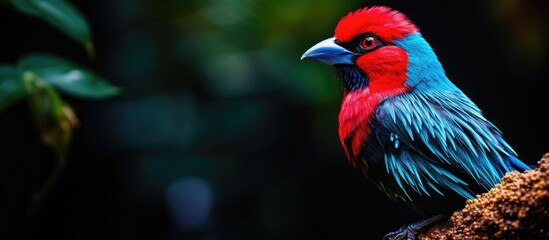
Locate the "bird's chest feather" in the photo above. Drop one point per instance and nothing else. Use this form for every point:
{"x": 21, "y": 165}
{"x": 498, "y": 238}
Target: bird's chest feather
{"x": 355, "y": 118}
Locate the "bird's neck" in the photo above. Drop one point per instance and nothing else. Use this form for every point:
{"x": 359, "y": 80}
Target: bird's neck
{"x": 424, "y": 70}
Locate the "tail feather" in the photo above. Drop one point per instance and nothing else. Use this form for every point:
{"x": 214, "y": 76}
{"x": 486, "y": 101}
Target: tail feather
{"x": 517, "y": 164}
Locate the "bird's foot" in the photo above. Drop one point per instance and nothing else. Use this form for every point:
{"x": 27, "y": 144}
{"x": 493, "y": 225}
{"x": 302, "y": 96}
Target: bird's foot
{"x": 409, "y": 232}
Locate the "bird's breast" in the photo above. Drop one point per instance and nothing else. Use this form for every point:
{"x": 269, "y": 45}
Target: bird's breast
{"x": 355, "y": 118}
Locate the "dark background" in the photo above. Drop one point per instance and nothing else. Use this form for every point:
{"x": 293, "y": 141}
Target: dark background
{"x": 221, "y": 118}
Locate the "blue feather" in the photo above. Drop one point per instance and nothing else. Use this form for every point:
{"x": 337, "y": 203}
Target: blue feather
{"x": 458, "y": 137}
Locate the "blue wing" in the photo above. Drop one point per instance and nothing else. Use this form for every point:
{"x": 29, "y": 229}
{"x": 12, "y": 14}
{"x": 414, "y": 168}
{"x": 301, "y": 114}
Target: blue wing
{"x": 442, "y": 141}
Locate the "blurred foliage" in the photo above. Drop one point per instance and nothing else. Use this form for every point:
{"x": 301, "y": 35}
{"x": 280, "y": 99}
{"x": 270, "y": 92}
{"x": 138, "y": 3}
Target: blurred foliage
{"x": 65, "y": 76}
{"x": 11, "y": 87}
{"x": 39, "y": 77}
{"x": 213, "y": 86}
{"x": 60, "y": 14}
{"x": 204, "y": 72}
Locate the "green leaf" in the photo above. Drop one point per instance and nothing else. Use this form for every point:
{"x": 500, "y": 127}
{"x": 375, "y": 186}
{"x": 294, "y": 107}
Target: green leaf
{"x": 62, "y": 15}
{"x": 11, "y": 87}
{"x": 67, "y": 76}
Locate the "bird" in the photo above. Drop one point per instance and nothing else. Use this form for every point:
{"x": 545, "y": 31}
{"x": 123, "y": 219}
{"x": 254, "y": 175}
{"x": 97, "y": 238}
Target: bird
{"x": 410, "y": 129}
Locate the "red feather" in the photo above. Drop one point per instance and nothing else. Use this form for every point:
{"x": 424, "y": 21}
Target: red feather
{"x": 356, "y": 113}
{"x": 381, "y": 21}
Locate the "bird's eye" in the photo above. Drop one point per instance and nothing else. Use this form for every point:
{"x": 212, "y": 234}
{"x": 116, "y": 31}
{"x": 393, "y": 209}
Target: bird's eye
{"x": 368, "y": 43}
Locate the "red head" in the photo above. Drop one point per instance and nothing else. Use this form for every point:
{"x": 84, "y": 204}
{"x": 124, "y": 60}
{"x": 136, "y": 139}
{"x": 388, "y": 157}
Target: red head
{"x": 364, "y": 49}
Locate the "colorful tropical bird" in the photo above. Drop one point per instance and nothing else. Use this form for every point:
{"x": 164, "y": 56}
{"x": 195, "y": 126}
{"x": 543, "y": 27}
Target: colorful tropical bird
{"x": 417, "y": 136}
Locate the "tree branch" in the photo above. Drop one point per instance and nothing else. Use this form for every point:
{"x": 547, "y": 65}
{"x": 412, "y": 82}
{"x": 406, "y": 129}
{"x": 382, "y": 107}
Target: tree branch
{"x": 518, "y": 208}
